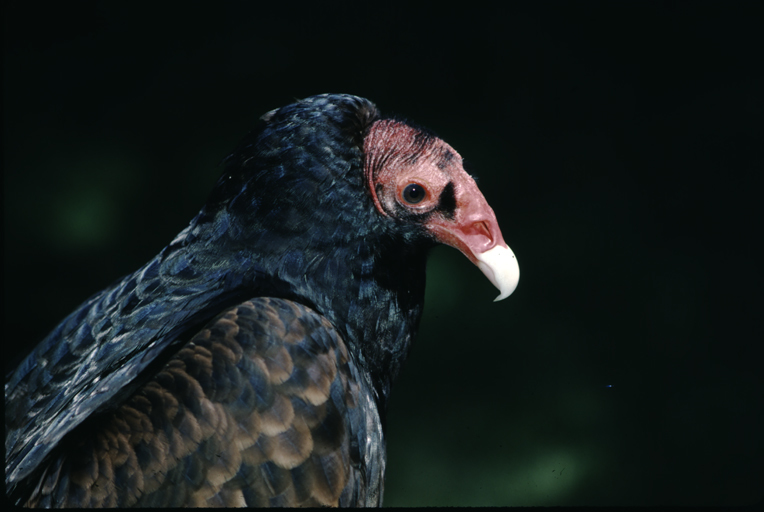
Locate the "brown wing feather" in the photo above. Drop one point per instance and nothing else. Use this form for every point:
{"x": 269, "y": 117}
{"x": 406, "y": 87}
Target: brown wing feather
{"x": 258, "y": 409}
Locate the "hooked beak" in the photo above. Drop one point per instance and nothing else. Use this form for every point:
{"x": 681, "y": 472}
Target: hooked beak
{"x": 500, "y": 267}
{"x": 475, "y": 231}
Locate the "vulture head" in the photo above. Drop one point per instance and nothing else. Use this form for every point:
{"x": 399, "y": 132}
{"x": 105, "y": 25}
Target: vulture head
{"x": 416, "y": 177}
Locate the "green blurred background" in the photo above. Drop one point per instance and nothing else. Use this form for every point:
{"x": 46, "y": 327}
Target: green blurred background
{"x": 620, "y": 145}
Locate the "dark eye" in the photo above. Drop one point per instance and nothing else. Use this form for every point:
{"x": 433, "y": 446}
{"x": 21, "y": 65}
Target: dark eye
{"x": 413, "y": 193}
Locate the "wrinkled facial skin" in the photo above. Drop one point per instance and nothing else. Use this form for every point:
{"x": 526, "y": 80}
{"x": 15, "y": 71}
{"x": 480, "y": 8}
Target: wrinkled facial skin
{"x": 403, "y": 156}
{"x": 412, "y": 174}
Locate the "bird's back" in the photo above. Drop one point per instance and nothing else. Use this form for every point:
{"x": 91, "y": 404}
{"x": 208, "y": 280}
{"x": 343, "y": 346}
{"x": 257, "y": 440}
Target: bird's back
{"x": 263, "y": 407}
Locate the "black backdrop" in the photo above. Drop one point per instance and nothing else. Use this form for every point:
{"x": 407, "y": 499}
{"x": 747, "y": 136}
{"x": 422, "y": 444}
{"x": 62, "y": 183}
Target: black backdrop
{"x": 620, "y": 145}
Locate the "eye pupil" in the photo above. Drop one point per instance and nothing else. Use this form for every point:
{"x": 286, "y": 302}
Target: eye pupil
{"x": 413, "y": 193}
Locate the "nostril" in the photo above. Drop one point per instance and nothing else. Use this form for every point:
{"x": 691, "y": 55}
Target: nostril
{"x": 480, "y": 228}
{"x": 480, "y": 234}
{"x": 485, "y": 229}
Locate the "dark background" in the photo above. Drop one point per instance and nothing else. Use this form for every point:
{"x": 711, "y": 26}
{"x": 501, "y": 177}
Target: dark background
{"x": 620, "y": 145}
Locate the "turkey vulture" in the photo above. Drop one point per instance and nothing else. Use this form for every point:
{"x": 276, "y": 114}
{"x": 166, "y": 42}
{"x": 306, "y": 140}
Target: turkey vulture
{"x": 250, "y": 361}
